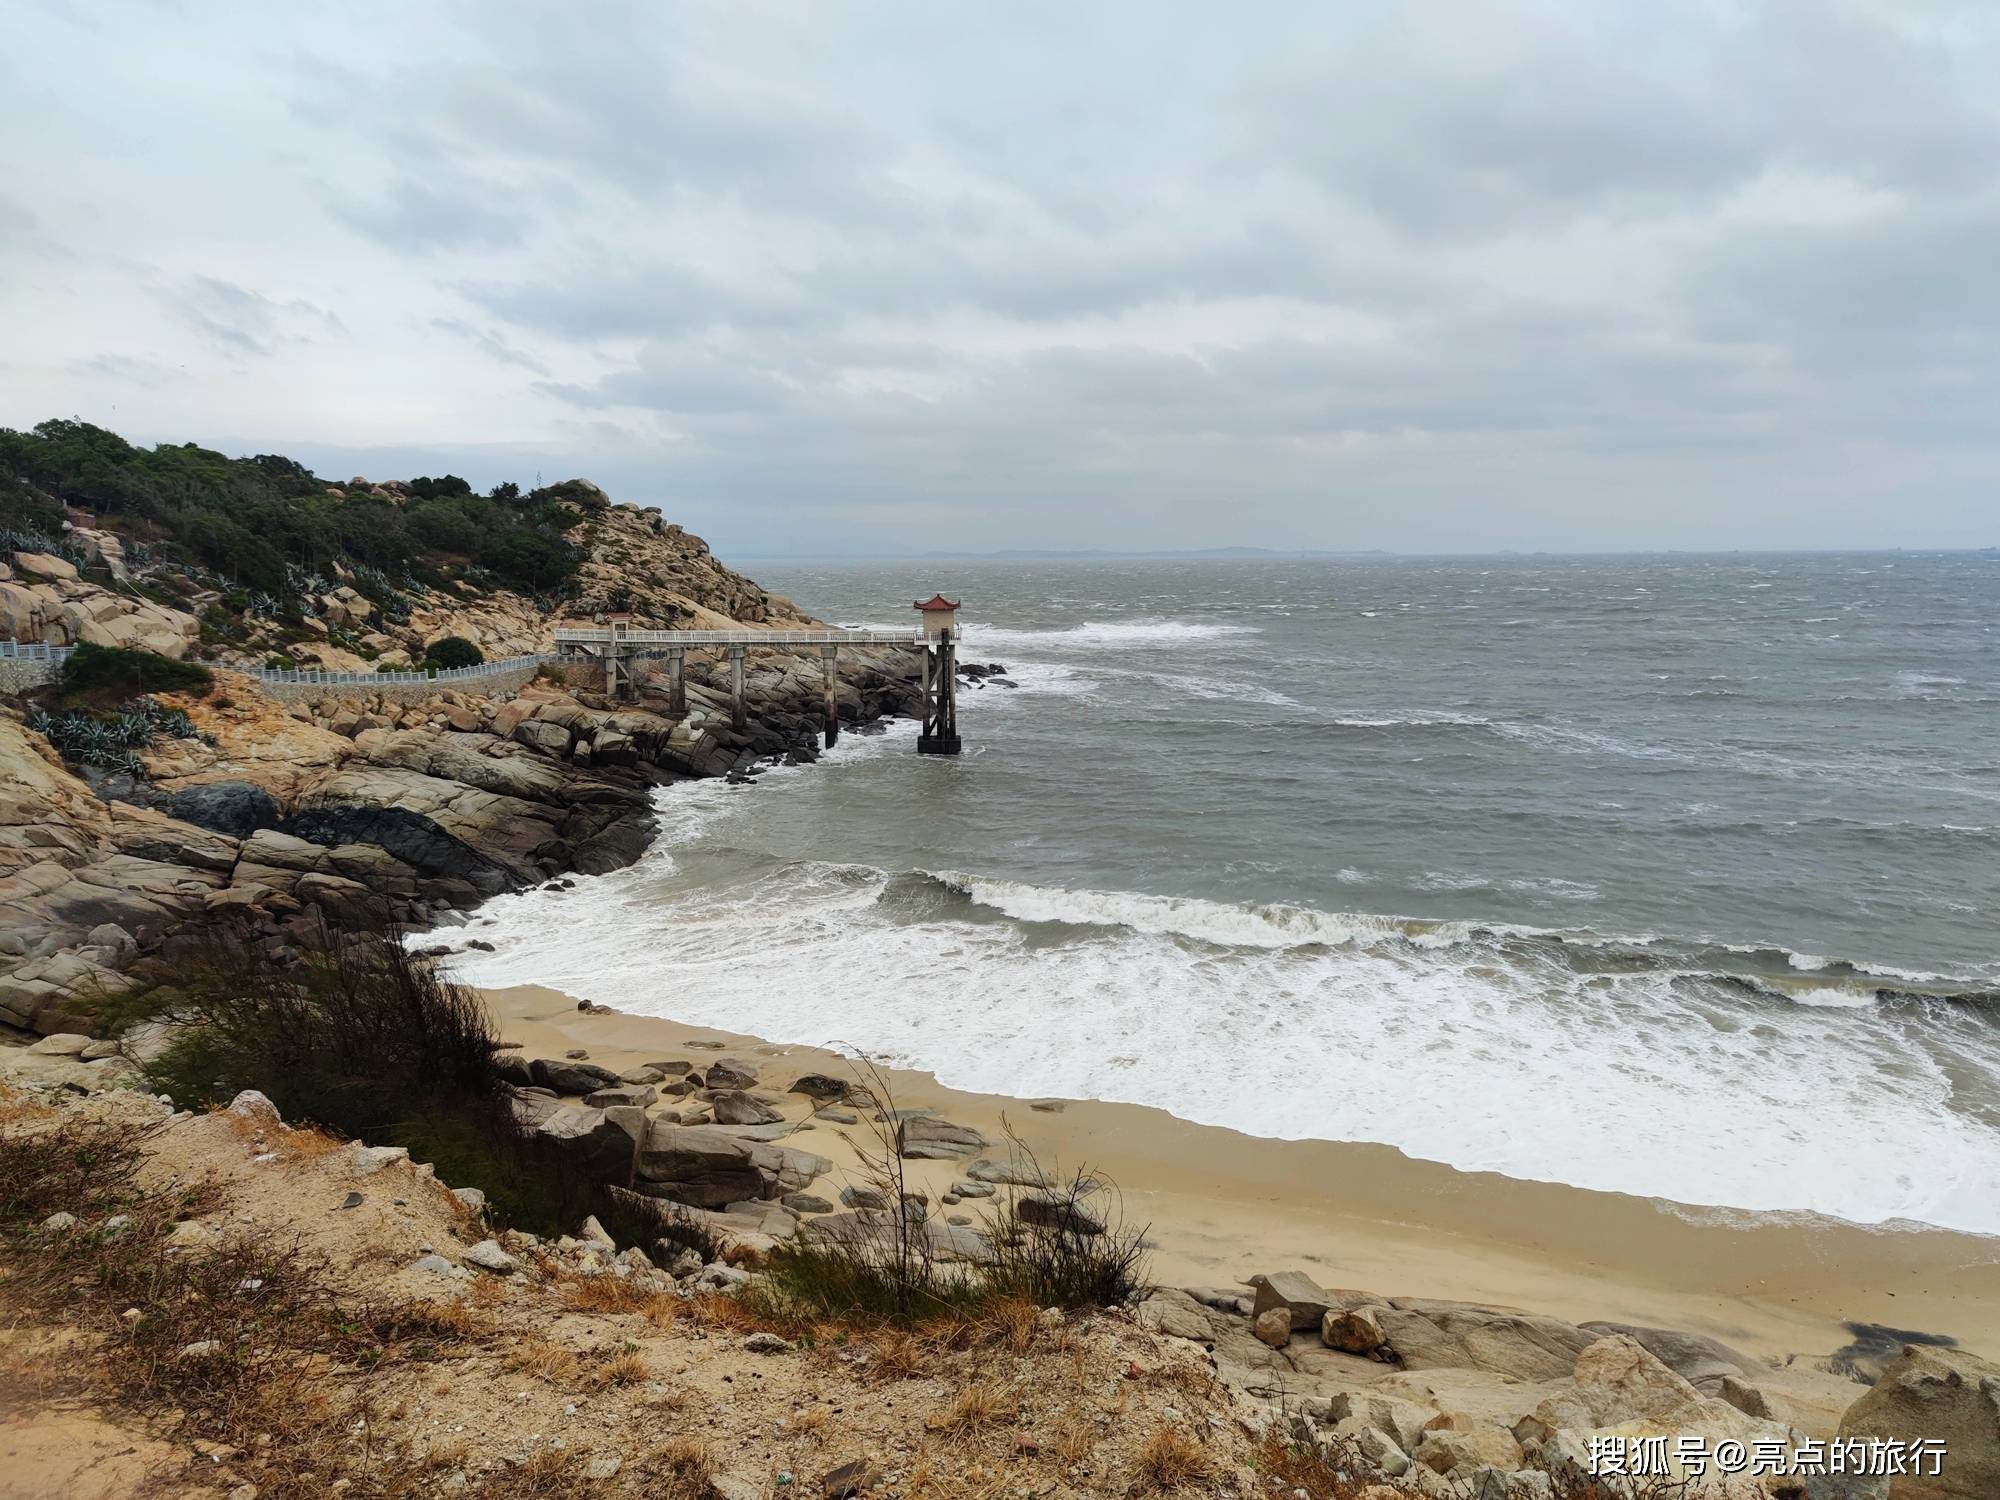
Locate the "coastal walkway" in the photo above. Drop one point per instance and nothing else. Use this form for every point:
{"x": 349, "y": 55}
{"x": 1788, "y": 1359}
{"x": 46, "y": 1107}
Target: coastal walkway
{"x": 612, "y": 640}
{"x": 619, "y": 646}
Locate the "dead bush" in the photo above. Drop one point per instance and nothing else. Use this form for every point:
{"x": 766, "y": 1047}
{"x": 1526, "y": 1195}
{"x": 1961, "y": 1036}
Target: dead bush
{"x": 1171, "y": 1459}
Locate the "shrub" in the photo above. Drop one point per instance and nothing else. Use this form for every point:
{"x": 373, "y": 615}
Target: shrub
{"x": 261, "y": 524}
{"x": 531, "y": 560}
{"x": 122, "y": 671}
{"x": 452, "y": 651}
{"x": 1072, "y": 1251}
{"x": 368, "y": 1040}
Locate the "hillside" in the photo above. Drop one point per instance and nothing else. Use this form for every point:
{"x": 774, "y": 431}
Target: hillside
{"x": 144, "y": 796}
{"x": 241, "y": 560}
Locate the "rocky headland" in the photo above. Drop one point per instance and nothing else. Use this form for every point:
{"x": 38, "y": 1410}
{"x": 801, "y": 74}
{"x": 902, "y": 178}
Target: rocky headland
{"x": 273, "y": 806}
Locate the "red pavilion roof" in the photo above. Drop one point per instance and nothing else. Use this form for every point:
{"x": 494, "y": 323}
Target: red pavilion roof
{"x": 936, "y": 601}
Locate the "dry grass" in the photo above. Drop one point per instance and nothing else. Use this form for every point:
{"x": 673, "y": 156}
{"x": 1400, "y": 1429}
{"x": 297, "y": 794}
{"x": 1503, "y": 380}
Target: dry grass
{"x": 1074, "y": 1440}
{"x": 679, "y": 1470}
{"x": 546, "y": 1361}
{"x": 293, "y": 1144}
{"x": 628, "y": 1367}
{"x": 1171, "y": 1460}
{"x": 426, "y": 1322}
{"x": 900, "y": 1356}
{"x": 722, "y": 1313}
{"x": 1013, "y": 1323}
{"x": 1189, "y": 1382}
{"x": 619, "y": 1294}
{"x": 250, "y": 1343}
{"x": 979, "y": 1403}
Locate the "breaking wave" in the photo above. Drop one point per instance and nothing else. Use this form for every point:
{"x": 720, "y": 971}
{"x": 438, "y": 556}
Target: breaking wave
{"x": 1813, "y": 1083}
{"x": 1119, "y": 633}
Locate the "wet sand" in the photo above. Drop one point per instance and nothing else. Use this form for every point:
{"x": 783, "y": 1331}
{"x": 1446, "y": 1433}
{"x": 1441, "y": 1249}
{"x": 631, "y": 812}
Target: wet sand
{"x": 1222, "y": 1205}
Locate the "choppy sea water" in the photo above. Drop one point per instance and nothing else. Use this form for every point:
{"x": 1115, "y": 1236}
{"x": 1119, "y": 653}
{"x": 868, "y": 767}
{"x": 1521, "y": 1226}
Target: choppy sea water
{"x": 1675, "y": 875}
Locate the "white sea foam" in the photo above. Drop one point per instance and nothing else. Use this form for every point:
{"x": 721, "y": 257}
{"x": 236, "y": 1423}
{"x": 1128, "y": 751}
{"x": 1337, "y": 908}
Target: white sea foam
{"x": 1791, "y": 1119}
{"x": 1821, "y": 1119}
{"x": 1416, "y": 719}
{"x": 1034, "y": 679}
{"x": 1222, "y": 923}
{"x": 1831, "y": 997}
{"x": 1106, "y": 634}
{"x": 1196, "y": 686}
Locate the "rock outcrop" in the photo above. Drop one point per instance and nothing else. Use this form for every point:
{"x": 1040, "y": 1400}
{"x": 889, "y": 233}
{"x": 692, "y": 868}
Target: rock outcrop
{"x": 43, "y": 599}
{"x": 1942, "y": 1396}
{"x": 401, "y": 800}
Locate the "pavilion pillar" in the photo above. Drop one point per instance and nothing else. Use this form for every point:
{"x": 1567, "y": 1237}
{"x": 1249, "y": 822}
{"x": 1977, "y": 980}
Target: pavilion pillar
{"x": 828, "y": 657}
{"x": 738, "y": 719}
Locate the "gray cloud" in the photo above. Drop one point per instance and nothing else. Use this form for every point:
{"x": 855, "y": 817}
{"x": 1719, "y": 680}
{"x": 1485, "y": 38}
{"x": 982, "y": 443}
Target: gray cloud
{"x": 1462, "y": 274}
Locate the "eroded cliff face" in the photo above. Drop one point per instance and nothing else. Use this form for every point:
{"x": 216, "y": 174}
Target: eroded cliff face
{"x": 112, "y": 590}
{"x": 46, "y": 599}
{"x": 634, "y": 560}
{"x": 368, "y": 802}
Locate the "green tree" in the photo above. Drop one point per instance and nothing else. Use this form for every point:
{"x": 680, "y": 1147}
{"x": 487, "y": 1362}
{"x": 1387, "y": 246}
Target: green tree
{"x": 452, "y": 651}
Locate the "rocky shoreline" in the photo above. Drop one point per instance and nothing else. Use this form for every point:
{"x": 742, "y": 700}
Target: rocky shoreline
{"x": 351, "y": 807}
{"x": 1429, "y": 1397}
{"x": 272, "y": 810}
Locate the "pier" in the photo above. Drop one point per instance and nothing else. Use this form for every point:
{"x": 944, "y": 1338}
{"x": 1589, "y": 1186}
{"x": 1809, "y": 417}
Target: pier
{"x": 612, "y": 639}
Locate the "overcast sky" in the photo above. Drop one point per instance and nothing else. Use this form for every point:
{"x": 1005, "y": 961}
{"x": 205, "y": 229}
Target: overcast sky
{"x": 1423, "y": 276}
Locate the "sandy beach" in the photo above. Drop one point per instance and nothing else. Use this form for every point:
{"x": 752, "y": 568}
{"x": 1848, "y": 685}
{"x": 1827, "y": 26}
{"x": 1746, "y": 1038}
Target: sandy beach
{"x": 1222, "y": 1205}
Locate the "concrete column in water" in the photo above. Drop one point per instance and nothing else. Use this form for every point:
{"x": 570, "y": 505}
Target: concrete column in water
{"x": 737, "y": 717}
{"x": 938, "y": 734}
{"x": 827, "y": 658}
{"x": 677, "y": 700}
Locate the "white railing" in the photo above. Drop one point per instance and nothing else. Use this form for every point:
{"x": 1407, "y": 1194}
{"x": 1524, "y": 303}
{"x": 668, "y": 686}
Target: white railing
{"x": 581, "y": 636}
{"x": 35, "y": 651}
{"x": 32, "y": 651}
{"x": 599, "y": 635}
{"x": 438, "y": 674}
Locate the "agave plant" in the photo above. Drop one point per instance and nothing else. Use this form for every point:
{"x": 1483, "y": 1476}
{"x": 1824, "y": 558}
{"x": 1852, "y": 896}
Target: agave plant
{"x": 12, "y": 540}
{"x": 39, "y": 722}
{"x": 132, "y": 729}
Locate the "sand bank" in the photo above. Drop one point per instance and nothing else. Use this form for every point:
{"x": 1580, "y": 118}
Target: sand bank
{"x": 1222, "y": 1205}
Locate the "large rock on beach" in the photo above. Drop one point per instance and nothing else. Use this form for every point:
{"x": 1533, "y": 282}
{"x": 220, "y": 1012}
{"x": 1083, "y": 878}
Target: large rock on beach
{"x": 1305, "y": 1299}
{"x": 734, "y": 1108}
{"x": 1938, "y": 1395}
{"x": 928, "y": 1137}
{"x": 566, "y": 1076}
{"x": 1447, "y": 1335}
{"x": 1702, "y": 1362}
{"x": 698, "y": 1164}
{"x": 603, "y": 1144}
{"x": 707, "y": 1166}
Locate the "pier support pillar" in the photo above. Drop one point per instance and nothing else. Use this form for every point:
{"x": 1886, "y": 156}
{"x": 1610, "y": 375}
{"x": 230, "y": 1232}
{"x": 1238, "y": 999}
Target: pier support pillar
{"x": 617, "y": 669}
{"x": 828, "y": 655}
{"x": 677, "y": 697}
{"x": 939, "y": 732}
{"x": 737, "y": 717}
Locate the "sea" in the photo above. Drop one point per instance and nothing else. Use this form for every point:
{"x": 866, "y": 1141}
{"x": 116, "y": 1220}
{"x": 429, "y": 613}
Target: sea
{"x": 1668, "y": 875}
